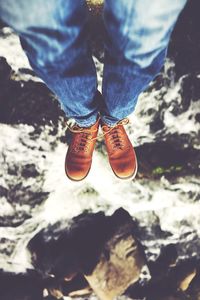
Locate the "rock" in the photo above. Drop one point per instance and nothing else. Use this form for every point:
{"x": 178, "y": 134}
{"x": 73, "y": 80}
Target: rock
{"x": 120, "y": 265}
{"x": 56, "y": 294}
{"x": 173, "y": 284}
{"x": 167, "y": 258}
{"x": 3, "y": 191}
{"x": 27, "y": 71}
{"x": 190, "y": 91}
{"x": 26, "y": 102}
{"x": 22, "y": 286}
{"x": 30, "y": 170}
{"x": 167, "y": 158}
{"x": 32, "y": 195}
{"x": 5, "y": 71}
{"x": 97, "y": 246}
{"x": 193, "y": 290}
{"x": 76, "y": 287}
{"x": 6, "y": 245}
{"x": 185, "y": 282}
{"x": 197, "y": 117}
{"x": 157, "y": 123}
{"x": 14, "y": 220}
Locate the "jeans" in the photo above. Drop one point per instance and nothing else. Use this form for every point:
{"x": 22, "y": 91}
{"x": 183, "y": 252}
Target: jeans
{"x": 53, "y": 34}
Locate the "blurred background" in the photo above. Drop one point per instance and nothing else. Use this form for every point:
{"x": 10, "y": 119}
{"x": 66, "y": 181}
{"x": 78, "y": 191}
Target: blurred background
{"x": 164, "y": 199}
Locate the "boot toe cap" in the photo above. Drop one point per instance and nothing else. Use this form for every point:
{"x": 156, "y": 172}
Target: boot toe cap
{"x": 125, "y": 169}
{"x": 77, "y": 172}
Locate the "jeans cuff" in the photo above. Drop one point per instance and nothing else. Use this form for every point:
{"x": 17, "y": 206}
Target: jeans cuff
{"x": 87, "y": 122}
{"x": 110, "y": 121}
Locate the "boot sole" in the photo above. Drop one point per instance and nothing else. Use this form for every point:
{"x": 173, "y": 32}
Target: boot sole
{"x": 132, "y": 176}
{"x": 77, "y": 180}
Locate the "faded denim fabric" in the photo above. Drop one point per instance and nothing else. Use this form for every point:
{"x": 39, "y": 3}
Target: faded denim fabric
{"x": 54, "y": 36}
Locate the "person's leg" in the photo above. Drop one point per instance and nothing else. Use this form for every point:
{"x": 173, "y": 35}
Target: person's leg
{"x": 53, "y": 34}
{"x": 138, "y": 34}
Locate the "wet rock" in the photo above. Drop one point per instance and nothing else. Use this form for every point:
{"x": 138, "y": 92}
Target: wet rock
{"x": 26, "y": 102}
{"x": 122, "y": 255}
{"x": 188, "y": 245}
{"x": 193, "y": 290}
{"x": 6, "y": 245}
{"x": 183, "y": 141}
{"x": 165, "y": 158}
{"x": 29, "y": 170}
{"x": 98, "y": 246}
{"x": 20, "y": 200}
{"x": 22, "y": 286}
{"x": 167, "y": 257}
{"x": 79, "y": 243}
{"x": 57, "y": 288}
{"x": 78, "y": 286}
{"x": 157, "y": 123}
{"x": 197, "y": 117}
{"x": 149, "y": 227}
{"x": 190, "y": 90}
{"x": 167, "y": 285}
{"x": 185, "y": 282}
{"x": 14, "y": 220}
{"x": 26, "y": 195}
{"x": 5, "y": 71}
{"x": 64, "y": 249}
{"x": 13, "y": 170}
{"x": 3, "y": 191}
{"x": 27, "y": 71}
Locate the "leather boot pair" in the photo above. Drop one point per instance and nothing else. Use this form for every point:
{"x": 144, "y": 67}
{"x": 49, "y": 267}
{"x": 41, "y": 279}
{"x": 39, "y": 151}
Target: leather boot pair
{"x": 121, "y": 154}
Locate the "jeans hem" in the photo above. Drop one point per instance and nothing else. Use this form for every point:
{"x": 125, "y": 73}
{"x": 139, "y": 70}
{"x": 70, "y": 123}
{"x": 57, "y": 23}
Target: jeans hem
{"x": 87, "y": 122}
{"x": 107, "y": 119}
{"x": 107, "y": 122}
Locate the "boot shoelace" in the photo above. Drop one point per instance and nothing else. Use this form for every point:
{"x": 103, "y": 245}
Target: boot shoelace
{"x": 116, "y": 137}
{"x": 85, "y": 139}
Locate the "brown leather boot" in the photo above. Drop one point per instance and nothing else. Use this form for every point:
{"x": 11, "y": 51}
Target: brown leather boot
{"x": 79, "y": 155}
{"x": 121, "y": 154}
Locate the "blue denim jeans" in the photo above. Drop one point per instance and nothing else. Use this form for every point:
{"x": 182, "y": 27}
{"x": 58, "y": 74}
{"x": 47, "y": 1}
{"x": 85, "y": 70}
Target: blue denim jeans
{"x": 53, "y": 34}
